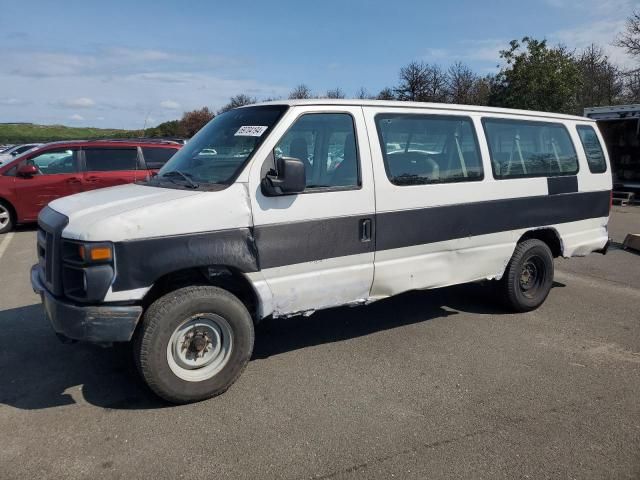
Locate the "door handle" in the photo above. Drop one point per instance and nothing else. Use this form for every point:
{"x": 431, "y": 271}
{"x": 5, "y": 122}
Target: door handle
{"x": 73, "y": 180}
{"x": 92, "y": 179}
{"x": 365, "y": 230}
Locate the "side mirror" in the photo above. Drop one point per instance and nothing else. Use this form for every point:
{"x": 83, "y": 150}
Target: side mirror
{"x": 290, "y": 178}
{"x": 27, "y": 170}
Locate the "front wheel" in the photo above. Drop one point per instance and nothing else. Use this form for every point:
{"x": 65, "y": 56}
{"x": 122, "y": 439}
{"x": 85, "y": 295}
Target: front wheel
{"x": 194, "y": 343}
{"x": 529, "y": 275}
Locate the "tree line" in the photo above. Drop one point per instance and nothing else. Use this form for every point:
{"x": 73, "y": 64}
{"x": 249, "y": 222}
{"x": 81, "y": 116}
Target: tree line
{"x": 532, "y": 75}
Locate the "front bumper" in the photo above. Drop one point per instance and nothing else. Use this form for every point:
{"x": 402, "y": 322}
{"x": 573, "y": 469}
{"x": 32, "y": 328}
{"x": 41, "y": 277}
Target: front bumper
{"x": 97, "y": 324}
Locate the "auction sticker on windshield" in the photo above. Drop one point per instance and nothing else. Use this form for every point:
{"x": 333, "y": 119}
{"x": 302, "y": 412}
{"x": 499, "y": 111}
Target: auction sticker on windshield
{"x": 251, "y": 131}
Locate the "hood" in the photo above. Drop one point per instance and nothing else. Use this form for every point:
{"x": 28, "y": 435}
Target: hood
{"x": 129, "y": 212}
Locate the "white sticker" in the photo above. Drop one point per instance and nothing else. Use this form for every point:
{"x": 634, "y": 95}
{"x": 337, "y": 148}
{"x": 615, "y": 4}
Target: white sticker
{"x": 251, "y": 131}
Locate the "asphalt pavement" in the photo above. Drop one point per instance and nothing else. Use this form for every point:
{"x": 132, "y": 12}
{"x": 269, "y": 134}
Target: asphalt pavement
{"x": 434, "y": 384}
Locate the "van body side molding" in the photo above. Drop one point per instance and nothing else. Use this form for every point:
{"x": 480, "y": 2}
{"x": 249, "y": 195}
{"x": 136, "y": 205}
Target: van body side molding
{"x": 436, "y": 224}
{"x": 139, "y": 263}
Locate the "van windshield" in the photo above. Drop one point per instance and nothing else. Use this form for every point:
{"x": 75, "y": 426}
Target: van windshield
{"x": 216, "y": 154}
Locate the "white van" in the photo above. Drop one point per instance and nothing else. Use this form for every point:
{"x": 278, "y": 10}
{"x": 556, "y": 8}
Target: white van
{"x": 288, "y": 207}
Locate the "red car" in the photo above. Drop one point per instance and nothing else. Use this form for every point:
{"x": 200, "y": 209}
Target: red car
{"x": 54, "y": 170}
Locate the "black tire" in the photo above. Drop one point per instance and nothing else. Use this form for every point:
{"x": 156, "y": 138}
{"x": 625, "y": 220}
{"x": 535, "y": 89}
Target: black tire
{"x": 529, "y": 276}
{"x": 161, "y": 321}
{"x": 5, "y": 209}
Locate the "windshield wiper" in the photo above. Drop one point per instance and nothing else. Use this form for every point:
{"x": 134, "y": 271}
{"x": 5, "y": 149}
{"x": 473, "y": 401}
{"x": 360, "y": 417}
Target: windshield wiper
{"x": 182, "y": 175}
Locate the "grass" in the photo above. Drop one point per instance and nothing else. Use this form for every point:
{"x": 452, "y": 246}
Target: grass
{"x": 29, "y": 132}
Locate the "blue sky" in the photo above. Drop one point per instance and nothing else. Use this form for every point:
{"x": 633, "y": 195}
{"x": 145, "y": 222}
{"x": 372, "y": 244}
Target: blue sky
{"x": 117, "y": 63}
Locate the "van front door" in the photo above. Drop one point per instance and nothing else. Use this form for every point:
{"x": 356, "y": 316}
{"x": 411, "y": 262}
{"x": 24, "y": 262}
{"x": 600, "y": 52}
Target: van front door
{"x": 316, "y": 248}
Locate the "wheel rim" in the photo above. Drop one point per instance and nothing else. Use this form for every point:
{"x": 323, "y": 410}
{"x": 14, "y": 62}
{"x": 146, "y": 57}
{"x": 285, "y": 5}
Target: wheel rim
{"x": 5, "y": 216}
{"x": 200, "y": 347}
{"x": 532, "y": 276}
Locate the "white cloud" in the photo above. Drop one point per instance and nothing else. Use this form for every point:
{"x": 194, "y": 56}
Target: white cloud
{"x": 121, "y": 85}
{"x": 12, "y": 101}
{"x": 81, "y": 102}
{"x": 76, "y": 117}
{"x": 170, "y": 105}
{"x": 436, "y": 53}
{"x": 600, "y": 32}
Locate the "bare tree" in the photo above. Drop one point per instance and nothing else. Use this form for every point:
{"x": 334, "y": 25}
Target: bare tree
{"x": 421, "y": 82}
{"x": 237, "y": 101}
{"x": 413, "y": 82}
{"x": 335, "y": 93}
{"x": 300, "y": 92}
{"x": 630, "y": 38}
{"x": 481, "y": 90}
{"x": 363, "y": 94}
{"x": 601, "y": 80}
{"x": 460, "y": 84}
{"x": 386, "y": 94}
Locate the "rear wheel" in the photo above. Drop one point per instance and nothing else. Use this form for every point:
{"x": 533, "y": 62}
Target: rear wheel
{"x": 6, "y": 218}
{"x": 529, "y": 275}
{"x": 194, "y": 343}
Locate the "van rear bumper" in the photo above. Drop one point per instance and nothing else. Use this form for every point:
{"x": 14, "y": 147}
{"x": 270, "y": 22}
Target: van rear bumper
{"x": 96, "y": 324}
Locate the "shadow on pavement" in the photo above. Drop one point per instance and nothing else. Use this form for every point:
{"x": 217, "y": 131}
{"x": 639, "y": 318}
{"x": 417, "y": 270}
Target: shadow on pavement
{"x": 37, "y": 371}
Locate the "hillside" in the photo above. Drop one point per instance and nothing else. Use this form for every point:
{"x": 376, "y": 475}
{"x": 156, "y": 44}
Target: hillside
{"x": 29, "y": 132}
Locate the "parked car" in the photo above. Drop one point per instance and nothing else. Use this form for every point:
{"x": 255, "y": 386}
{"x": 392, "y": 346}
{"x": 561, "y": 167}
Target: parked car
{"x": 186, "y": 264}
{"x": 10, "y": 153}
{"x": 58, "y": 169}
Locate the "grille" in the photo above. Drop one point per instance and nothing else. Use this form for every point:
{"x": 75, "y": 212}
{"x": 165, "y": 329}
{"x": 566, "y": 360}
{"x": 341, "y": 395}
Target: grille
{"x": 50, "y": 226}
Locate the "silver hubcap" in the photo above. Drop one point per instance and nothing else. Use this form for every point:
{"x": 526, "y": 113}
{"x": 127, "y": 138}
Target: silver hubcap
{"x": 4, "y": 216}
{"x": 200, "y": 347}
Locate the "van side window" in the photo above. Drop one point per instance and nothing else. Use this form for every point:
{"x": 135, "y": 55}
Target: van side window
{"x": 54, "y": 162}
{"x": 425, "y": 149}
{"x": 521, "y": 148}
{"x": 111, "y": 159}
{"x": 156, "y": 157}
{"x": 592, "y": 149}
{"x": 326, "y": 143}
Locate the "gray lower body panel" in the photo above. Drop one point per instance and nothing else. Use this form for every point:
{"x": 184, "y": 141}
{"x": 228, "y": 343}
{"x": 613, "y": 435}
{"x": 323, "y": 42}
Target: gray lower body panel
{"x": 97, "y": 324}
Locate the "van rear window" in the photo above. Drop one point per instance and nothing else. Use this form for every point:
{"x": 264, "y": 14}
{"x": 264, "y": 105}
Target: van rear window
{"x": 427, "y": 149}
{"x": 592, "y": 149}
{"x": 521, "y": 148}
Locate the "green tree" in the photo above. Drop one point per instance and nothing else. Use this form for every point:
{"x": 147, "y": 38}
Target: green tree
{"x": 172, "y": 128}
{"x": 537, "y": 77}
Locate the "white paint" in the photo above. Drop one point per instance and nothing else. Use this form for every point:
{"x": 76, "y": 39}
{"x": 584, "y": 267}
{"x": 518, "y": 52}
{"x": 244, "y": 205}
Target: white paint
{"x": 130, "y": 212}
{"x": 5, "y": 243}
{"x": 126, "y": 295}
{"x": 319, "y": 284}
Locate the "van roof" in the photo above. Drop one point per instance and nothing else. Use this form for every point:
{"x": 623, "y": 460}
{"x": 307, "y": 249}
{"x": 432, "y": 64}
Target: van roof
{"x": 424, "y": 105}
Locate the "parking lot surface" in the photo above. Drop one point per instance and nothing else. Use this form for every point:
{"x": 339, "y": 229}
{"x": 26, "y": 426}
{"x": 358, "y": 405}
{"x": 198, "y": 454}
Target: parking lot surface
{"x": 435, "y": 384}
